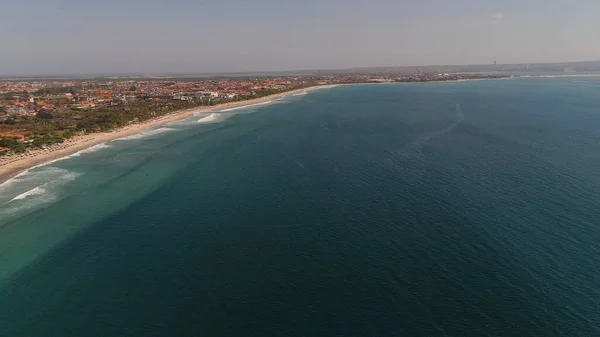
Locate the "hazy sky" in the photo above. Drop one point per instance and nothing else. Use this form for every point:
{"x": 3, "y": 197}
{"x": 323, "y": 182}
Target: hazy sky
{"x": 108, "y": 36}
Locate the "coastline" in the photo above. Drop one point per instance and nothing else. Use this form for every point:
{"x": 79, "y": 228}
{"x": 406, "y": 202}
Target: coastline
{"x": 9, "y": 168}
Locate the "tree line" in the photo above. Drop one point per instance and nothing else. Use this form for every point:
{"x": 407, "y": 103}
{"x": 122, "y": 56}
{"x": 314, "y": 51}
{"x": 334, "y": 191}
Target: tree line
{"x": 47, "y": 129}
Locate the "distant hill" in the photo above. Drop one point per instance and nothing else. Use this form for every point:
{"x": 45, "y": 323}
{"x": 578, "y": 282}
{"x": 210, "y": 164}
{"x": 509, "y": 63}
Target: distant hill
{"x": 587, "y": 66}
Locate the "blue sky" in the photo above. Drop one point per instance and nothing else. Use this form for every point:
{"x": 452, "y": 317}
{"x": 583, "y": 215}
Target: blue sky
{"x": 110, "y": 36}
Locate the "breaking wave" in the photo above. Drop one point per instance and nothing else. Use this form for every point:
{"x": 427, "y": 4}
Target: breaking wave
{"x": 26, "y": 175}
{"x": 35, "y": 191}
{"x": 147, "y": 134}
{"x": 91, "y": 149}
{"x": 246, "y": 106}
{"x": 212, "y": 118}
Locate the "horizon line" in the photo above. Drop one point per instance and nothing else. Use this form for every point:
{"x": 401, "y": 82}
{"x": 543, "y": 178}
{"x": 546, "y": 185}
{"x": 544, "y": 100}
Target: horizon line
{"x": 250, "y": 72}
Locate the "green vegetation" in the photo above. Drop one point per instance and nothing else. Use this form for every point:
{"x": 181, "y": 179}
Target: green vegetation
{"x": 47, "y": 139}
{"x": 8, "y": 96}
{"x": 108, "y": 118}
{"x": 13, "y": 144}
{"x": 52, "y": 128}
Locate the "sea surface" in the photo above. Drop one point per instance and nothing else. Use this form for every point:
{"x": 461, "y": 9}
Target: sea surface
{"x": 433, "y": 209}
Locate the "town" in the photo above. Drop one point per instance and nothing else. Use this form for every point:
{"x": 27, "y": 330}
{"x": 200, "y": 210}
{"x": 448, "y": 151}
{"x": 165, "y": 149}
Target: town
{"x": 42, "y": 113}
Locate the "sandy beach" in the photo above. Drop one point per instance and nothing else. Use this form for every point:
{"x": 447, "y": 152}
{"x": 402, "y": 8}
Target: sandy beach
{"x": 9, "y": 167}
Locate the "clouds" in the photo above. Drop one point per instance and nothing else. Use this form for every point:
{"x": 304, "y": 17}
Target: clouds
{"x": 498, "y": 16}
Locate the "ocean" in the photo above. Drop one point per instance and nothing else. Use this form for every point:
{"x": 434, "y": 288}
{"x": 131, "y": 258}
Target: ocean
{"x": 432, "y": 209}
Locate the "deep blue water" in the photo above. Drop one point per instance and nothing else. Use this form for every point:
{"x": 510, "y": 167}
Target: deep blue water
{"x": 447, "y": 209}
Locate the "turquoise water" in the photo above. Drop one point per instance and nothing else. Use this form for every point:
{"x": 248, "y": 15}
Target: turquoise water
{"x": 438, "y": 209}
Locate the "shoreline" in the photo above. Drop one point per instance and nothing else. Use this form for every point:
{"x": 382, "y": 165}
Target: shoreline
{"x": 9, "y": 168}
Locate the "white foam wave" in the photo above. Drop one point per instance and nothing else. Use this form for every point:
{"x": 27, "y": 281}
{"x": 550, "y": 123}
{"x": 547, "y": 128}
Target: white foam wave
{"x": 212, "y": 118}
{"x": 12, "y": 181}
{"x": 147, "y": 134}
{"x": 247, "y": 106}
{"x": 300, "y": 94}
{"x": 35, "y": 191}
{"x": 19, "y": 177}
{"x": 63, "y": 178}
{"x": 91, "y": 149}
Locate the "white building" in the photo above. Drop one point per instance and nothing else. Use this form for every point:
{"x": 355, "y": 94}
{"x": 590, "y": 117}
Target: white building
{"x": 211, "y": 94}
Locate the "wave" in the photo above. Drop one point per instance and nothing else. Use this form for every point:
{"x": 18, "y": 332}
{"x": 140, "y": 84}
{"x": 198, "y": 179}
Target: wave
{"x": 212, "y": 118}
{"x": 91, "y": 149}
{"x": 147, "y": 134}
{"x": 64, "y": 176}
{"x": 35, "y": 191}
{"x": 13, "y": 180}
{"x": 246, "y": 106}
{"x": 19, "y": 177}
{"x": 300, "y": 94}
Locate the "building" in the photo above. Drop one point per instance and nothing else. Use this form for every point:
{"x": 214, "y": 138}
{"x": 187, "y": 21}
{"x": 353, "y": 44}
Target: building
{"x": 18, "y": 137}
{"x": 211, "y": 94}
